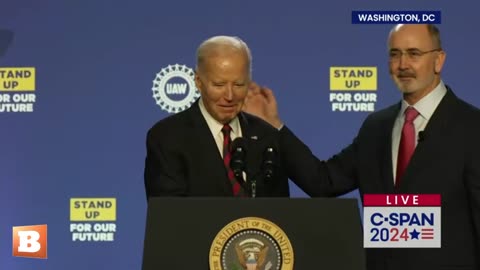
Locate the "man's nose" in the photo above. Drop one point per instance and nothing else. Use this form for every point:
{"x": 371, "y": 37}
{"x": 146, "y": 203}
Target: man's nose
{"x": 229, "y": 92}
{"x": 403, "y": 62}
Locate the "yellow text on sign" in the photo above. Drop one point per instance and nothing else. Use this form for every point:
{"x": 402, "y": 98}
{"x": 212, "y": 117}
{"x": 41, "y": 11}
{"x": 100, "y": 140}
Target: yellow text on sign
{"x": 17, "y": 79}
{"x": 353, "y": 78}
{"x": 93, "y": 209}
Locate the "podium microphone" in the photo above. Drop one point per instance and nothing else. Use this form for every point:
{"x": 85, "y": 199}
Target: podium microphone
{"x": 238, "y": 161}
{"x": 269, "y": 163}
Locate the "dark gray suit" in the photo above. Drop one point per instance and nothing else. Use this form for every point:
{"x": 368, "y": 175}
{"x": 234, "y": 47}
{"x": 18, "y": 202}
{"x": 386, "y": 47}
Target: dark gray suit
{"x": 183, "y": 159}
{"x": 446, "y": 162}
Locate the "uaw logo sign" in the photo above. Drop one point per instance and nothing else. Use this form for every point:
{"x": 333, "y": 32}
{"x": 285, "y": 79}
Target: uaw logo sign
{"x": 402, "y": 221}
{"x": 251, "y": 243}
{"x": 174, "y": 88}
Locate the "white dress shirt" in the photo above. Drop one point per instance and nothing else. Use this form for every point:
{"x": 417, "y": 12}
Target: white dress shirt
{"x": 216, "y": 127}
{"x": 425, "y": 106}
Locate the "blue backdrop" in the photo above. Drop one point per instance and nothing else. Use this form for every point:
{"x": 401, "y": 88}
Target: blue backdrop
{"x": 95, "y": 62}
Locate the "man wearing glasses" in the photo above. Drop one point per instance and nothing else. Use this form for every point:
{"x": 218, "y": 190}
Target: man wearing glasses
{"x": 429, "y": 142}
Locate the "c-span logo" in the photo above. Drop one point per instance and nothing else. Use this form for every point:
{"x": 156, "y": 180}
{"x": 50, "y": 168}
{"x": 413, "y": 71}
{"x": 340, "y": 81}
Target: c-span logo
{"x": 402, "y": 221}
{"x": 251, "y": 243}
{"x": 30, "y": 241}
{"x": 174, "y": 88}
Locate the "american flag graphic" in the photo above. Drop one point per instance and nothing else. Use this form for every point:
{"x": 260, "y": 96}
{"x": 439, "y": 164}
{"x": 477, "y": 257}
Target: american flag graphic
{"x": 427, "y": 233}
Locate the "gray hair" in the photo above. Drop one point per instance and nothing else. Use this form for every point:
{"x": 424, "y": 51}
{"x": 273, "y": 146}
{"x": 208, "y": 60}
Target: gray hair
{"x": 432, "y": 30}
{"x": 226, "y": 43}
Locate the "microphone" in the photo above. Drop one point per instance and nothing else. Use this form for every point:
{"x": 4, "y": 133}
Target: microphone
{"x": 238, "y": 151}
{"x": 421, "y": 136}
{"x": 269, "y": 163}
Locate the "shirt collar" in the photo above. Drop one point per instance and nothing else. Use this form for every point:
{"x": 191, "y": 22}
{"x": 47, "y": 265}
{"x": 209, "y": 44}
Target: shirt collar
{"x": 427, "y": 105}
{"x": 215, "y": 126}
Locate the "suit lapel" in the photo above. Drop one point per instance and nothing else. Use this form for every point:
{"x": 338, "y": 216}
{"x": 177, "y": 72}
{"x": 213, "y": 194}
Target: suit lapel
{"x": 215, "y": 172}
{"x": 436, "y": 129}
{"x": 385, "y": 151}
{"x": 254, "y": 137}
{"x": 249, "y": 133}
{"x": 250, "y": 138}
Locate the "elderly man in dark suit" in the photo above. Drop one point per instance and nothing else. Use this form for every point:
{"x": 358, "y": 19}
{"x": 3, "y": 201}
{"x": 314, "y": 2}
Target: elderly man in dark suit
{"x": 429, "y": 142}
{"x": 188, "y": 153}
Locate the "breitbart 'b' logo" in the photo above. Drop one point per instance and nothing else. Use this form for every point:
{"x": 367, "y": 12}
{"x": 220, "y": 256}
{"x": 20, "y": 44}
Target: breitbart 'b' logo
{"x": 251, "y": 244}
{"x": 30, "y": 241}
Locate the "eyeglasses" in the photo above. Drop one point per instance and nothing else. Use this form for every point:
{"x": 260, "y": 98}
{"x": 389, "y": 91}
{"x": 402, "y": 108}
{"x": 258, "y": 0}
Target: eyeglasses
{"x": 412, "y": 54}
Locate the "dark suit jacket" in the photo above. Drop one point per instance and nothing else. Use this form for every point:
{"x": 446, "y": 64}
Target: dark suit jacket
{"x": 183, "y": 159}
{"x": 446, "y": 162}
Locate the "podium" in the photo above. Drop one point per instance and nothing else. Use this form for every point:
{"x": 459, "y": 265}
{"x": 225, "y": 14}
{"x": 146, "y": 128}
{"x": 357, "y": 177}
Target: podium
{"x": 306, "y": 234}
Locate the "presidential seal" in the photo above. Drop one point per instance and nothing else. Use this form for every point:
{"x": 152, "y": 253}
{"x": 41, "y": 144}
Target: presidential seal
{"x": 251, "y": 243}
{"x": 174, "y": 88}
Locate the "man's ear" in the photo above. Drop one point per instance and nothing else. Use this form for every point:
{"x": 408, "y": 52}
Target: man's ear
{"x": 439, "y": 61}
{"x": 198, "y": 82}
